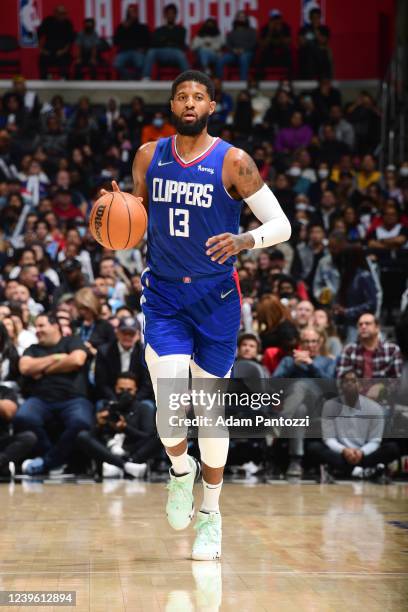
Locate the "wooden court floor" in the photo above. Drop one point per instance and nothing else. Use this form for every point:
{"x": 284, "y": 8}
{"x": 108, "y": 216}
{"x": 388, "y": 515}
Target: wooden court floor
{"x": 286, "y": 548}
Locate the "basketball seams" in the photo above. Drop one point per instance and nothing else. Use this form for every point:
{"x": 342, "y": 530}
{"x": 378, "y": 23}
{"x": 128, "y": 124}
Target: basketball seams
{"x": 107, "y": 221}
{"x": 130, "y": 220}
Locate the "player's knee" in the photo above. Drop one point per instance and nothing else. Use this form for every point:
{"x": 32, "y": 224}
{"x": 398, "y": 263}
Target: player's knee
{"x": 214, "y": 451}
{"x": 198, "y": 372}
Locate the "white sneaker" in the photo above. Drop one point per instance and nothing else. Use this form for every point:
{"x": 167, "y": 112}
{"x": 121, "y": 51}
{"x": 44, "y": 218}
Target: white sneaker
{"x": 357, "y": 472}
{"x": 111, "y": 471}
{"x": 207, "y": 545}
{"x": 137, "y": 470}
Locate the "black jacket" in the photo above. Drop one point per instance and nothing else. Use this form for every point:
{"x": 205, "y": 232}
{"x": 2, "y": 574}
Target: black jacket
{"x": 108, "y": 368}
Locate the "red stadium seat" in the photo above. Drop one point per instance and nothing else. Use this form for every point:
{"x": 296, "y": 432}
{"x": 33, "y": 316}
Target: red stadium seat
{"x": 10, "y": 56}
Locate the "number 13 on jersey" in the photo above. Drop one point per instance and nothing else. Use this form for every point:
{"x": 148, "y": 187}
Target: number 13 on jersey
{"x": 180, "y": 216}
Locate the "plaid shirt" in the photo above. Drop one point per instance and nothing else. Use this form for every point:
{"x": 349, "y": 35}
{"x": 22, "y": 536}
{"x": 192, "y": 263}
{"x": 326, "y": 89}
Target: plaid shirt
{"x": 387, "y": 360}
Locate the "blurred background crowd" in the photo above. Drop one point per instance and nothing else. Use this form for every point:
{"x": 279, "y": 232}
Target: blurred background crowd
{"x": 330, "y": 303}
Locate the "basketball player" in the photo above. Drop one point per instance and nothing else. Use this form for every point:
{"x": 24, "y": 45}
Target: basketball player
{"x": 194, "y": 186}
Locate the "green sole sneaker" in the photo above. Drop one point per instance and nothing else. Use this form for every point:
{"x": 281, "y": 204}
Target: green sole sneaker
{"x": 180, "y": 501}
{"x": 207, "y": 545}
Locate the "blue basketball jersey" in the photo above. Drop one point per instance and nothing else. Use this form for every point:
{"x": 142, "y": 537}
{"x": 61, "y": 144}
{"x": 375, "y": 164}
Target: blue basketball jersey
{"x": 188, "y": 204}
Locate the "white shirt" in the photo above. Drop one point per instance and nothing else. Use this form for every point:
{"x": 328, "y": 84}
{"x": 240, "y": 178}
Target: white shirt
{"x": 124, "y": 358}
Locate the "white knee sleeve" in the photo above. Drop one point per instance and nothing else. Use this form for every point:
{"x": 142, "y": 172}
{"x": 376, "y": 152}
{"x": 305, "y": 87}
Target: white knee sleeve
{"x": 170, "y": 367}
{"x": 213, "y": 451}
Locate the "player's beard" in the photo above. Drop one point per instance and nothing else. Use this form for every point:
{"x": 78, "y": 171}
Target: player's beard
{"x": 190, "y": 129}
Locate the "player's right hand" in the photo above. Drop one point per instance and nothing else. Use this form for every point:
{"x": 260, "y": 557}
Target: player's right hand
{"x": 115, "y": 187}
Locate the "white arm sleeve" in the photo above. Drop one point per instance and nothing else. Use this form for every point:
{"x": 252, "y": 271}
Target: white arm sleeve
{"x": 276, "y": 227}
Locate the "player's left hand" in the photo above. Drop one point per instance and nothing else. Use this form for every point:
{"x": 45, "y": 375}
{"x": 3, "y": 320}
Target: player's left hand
{"x": 225, "y": 245}
{"x": 115, "y": 187}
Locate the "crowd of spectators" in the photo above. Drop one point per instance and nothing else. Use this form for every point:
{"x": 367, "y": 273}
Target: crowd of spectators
{"x": 137, "y": 49}
{"x": 331, "y": 301}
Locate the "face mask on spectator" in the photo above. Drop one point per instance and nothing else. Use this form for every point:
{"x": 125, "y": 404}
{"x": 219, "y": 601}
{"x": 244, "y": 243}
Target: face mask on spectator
{"x": 404, "y": 171}
{"x": 323, "y": 173}
{"x": 294, "y": 171}
{"x": 110, "y": 292}
{"x": 81, "y": 231}
{"x": 158, "y": 122}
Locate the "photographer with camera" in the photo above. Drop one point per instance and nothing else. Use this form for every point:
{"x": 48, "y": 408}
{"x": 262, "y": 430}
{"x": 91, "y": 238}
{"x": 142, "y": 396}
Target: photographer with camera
{"x": 125, "y": 436}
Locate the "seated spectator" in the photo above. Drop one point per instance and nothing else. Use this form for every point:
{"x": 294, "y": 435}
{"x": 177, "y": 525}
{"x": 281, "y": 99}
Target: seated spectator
{"x": 310, "y": 114}
{"x": 136, "y": 119}
{"x": 370, "y": 357}
{"x": 326, "y": 280}
{"x": 291, "y": 138}
{"x": 368, "y": 173}
{"x": 20, "y": 336}
{"x": 315, "y": 58}
{"x": 248, "y": 350}
{"x": 240, "y": 46}
{"x": 308, "y": 254}
{"x": 280, "y": 112}
{"x": 308, "y": 361}
{"x": 357, "y": 292}
{"x": 40, "y": 288}
{"x": 8, "y": 352}
{"x": 325, "y": 96}
{"x": 64, "y": 206}
{"x": 168, "y": 44}
{"x": 328, "y": 210}
{"x": 343, "y": 130}
{"x": 36, "y": 183}
{"x": 355, "y": 231}
{"x": 123, "y": 354}
{"x": 302, "y": 397}
{"x": 365, "y": 117}
{"x": 30, "y": 98}
{"x": 72, "y": 280}
{"x": 207, "y": 45}
{"x": 242, "y": 122}
{"x": 158, "y": 128}
{"x": 331, "y": 150}
{"x": 56, "y": 35}
{"x": 273, "y": 317}
{"x": 124, "y": 415}
{"x": 390, "y": 234}
{"x": 53, "y": 369}
{"x": 88, "y": 44}
{"x": 304, "y": 314}
{"x": 132, "y": 39}
{"x": 93, "y": 331}
{"x": 352, "y": 431}
{"x": 322, "y": 321}
{"x": 14, "y": 448}
{"x": 54, "y": 138}
{"x": 274, "y": 43}
{"x": 223, "y": 109}
{"x": 287, "y": 340}
{"x": 111, "y": 270}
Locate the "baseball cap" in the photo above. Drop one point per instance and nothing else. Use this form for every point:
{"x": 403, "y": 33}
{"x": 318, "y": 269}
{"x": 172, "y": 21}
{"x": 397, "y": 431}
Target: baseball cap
{"x": 129, "y": 324}
{"x": 275, "y": 13}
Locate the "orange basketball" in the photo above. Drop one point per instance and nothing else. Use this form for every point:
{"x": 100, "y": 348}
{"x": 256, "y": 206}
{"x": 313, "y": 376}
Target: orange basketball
{"x": 118, "y": 220}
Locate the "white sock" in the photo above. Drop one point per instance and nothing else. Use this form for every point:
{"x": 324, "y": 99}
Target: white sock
{"x": 180, "y": 463}
{"x": 211, "y": 497}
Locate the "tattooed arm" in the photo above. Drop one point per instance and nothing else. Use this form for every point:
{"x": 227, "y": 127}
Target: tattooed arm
{"x": 242, "y": 181}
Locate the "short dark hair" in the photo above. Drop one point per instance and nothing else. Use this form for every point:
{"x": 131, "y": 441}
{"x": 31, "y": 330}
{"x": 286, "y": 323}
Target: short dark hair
{"x": 197, "y": 77}
{"x": 128, "y": 376}
{"x": 51, "y": 317}
{"x": 170, "y": 7}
